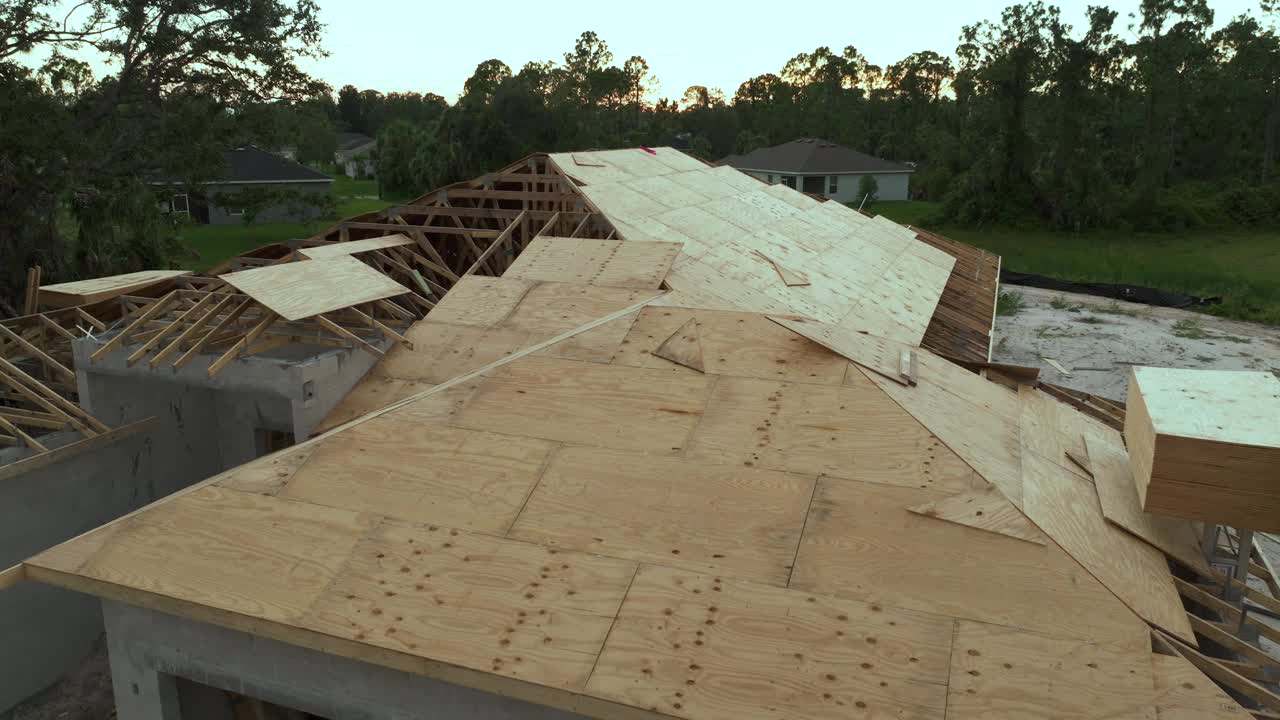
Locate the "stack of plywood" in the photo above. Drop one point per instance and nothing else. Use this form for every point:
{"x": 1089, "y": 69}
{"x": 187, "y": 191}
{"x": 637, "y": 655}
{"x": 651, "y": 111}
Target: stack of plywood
{"x": 1205, "y": 444}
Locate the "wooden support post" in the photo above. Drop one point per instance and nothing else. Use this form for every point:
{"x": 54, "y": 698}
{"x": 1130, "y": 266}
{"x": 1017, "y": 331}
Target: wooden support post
{"x": 31, "y": 301}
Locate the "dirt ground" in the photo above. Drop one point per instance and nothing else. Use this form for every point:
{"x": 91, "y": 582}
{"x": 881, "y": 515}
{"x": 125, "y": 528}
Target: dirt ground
{"x": 1096, "y": 340}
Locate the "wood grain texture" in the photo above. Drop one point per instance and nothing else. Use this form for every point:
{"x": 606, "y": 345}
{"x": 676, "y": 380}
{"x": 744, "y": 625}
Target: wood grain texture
{"x": 267, "y": 475}
{"x": 481, "y": 602}
{"x": 985, "y": 440}
{"x": 851, "y": 432}
{"x": 986, "y": 509}
{"x": 332, "y": 250}
{"x": 1118, "y": 496}
{"x": 999, "y": 672}
{"x": 702, "y": 646}
{"x": 1053, "y": 429}
{"x": 861, "y": 542}
{"x": 869, "y": 351}
{"x": 243, "y": 552}
{"x": 733, "y": 343}
{"x": 466, "y": 478}
{"x": 1204, "y": 444}
{"x": 87, "y": 292}
{"x": 1065, "y": 506}
{"x": 741, "y": 522}
{"x": 304, "y": 289}
{"x": 480, "y": 300}
{"x": 370, "y": 394}
{"x": 582, "y": 261}
{"x": 1184, "y": 693}
{"x": 588, "y": 404}
{"x": 682, "y": 347}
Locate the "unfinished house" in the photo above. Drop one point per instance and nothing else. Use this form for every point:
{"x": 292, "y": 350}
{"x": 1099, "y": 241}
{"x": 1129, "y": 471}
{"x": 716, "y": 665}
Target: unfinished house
{"x": 621, "y": 435}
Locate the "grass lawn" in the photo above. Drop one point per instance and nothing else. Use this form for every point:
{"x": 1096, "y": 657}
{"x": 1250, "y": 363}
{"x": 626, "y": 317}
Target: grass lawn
{"x": 213, "y": 244}
{"x": 1240, "y": 265}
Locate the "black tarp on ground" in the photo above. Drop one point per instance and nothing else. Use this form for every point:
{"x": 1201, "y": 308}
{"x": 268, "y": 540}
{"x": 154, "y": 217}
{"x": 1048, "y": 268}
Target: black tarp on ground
{"x": 1128, "y": 293}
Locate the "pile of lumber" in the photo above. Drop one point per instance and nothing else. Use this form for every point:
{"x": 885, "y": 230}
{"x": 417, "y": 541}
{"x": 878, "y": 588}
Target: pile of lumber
{"x": 1205, "y": 445}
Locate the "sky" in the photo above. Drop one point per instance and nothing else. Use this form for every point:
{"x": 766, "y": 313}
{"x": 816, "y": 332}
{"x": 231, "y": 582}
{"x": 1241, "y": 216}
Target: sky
{"x": 415, "y": 46}
{"x": 400, "y": 45}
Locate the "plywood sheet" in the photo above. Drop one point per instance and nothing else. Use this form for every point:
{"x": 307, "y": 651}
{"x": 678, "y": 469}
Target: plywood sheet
{"x": 442, "y": 351}
{"x": 702, "y": 646}
{"x": 986, "y": 509}
{"x": 588, "y": 404}
{"x": 612, "y": 263}
{"x": 370, "y": 394}
{"x": 741, "y": 522}
{"x": 1052, "y": 428}
{"x": 339, "y": 249}
{"x": 853, "y": 432}
{"x": 732, "y": 343}
{"x": 86, "y": 292}
{"x": 266, "y": 475}
{"x": 477, "y": 601}
{"x": 1066, "y": 507}
{"x": 1118, "y": 497}
{"x": 682, "y": 347}
{"x": 1219, "y": 405}
{"x": 901, "y": 304}
{"x": 480, "y": 300}
{"x": 985, "y": 440}
{"x": 242, "y": 552}
{"x": 1000, "y": 672}
{"x": 304, "y": 289}
{"x": 1184, "y": 693}
{"x": 465, "y": 478}
{"x": 873, "y": 353}
{"x": 861, "y": 542}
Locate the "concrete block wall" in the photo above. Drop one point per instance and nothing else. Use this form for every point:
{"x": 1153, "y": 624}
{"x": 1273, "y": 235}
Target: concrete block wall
{"x": 149, "y": 650}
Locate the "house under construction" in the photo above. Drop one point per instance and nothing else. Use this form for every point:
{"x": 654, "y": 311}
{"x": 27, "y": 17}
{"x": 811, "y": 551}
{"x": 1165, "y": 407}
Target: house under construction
{"x": 612, "y": 434}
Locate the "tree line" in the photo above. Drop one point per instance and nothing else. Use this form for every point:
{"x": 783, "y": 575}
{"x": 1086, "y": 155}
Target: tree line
{"x": 1157, "y": 120}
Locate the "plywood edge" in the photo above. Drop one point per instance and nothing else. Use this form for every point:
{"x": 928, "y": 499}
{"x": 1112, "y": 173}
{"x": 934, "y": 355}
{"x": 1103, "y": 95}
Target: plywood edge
{"x": 854, "y": 346}
{"x": 563, "y": 699}
{"x": 988, "y": 510}
{"x": 683, "y": 347}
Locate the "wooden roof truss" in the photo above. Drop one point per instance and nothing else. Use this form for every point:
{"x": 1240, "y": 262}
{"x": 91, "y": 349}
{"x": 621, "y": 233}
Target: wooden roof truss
{"x": 175, "y": 329}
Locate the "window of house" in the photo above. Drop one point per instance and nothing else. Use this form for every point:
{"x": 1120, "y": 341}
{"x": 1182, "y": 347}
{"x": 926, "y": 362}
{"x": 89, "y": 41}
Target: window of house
{"x": 789, "y": 181}
{"x": 832, "y": 187}
{"x": 235, "y": 212}
{"x": 770, "y": 176}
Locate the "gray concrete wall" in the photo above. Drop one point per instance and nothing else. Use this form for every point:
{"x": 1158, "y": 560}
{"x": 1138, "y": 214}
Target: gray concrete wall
{"x": 203, "y": 427}
{"x": 149, "y": 650}
{"x": 221, "y": 215}
{"x": 46, "y": 630}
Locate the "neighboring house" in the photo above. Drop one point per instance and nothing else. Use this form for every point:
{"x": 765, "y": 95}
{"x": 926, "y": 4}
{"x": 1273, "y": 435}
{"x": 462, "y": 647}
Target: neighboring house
{"x": 824, "y": 168}
{"x": 355, "y": 155}
{"x": 251, "y": 168}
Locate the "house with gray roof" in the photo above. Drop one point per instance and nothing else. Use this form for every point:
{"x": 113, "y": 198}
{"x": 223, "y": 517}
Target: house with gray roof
{"x": 824, "y": 168}
{"x": 267, "y": 187}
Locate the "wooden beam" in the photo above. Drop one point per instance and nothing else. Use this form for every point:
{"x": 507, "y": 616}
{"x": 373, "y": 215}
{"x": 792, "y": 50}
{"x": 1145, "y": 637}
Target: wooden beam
{"x": 501, "y": 240}
{"x": 155, "y": 309}
{"x": 467, "y": 194}
{"x": 549, "y": 224}
{"x": 31, "y": 418}
{"x": 55, "y": 327}
{"x": 373, "y": 322}
{"x": 267, "y": 318}
{"x": 342, "y": 332}
{"x": 177, "y": 322}
{"x": 37, "y": 353}
{"x": 191, "y": 329}
{"x": 29, "y": 301}
{"x": 58, "y": 454}
{"x": 437, "y": 229}
{"x": 64, "y": 404}
{"x": 222, "y": 325}
{"x": 12, "y": 576}
{"x": 17, "y": 432}
{"x": 1223, "y": 675}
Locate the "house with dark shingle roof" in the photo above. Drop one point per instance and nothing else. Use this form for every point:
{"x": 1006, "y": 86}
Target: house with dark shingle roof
{"x": 824, "y": 168}
{"x": 251, "y": 171}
